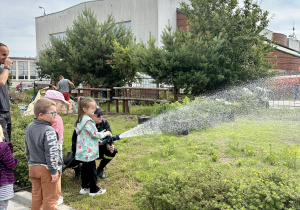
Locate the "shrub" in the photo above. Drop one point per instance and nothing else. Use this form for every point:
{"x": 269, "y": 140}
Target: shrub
{"x": 216, "y": 188}
{"x": 194, "y": 190}
{"x": 20, "y": 97}
{"x": 169, "y": 147}
{"x": 164, "y": 107}
{"x": 19, "y": 124}
{"x": 265, "y": 190}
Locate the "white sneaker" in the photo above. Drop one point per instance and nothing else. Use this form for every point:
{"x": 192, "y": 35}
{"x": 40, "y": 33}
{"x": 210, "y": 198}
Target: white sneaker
{"x": 100, "y": 192}
{"x": 60, "y": 200}
{"x": 84, "y": 191}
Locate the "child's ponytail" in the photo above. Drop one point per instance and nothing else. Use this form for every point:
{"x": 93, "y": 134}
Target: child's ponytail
{"x": 83, "y": 103}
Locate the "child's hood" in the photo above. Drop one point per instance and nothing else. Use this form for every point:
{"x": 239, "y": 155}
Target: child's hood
{"x": 82, "y": 124}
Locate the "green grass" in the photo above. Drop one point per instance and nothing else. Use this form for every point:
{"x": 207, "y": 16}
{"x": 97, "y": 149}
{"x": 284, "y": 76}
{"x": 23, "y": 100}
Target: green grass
{"x": 253, "y": 144}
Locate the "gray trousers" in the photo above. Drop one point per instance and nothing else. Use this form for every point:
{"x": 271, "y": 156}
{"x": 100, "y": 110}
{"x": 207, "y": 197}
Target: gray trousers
{"x": 5, "y": 122}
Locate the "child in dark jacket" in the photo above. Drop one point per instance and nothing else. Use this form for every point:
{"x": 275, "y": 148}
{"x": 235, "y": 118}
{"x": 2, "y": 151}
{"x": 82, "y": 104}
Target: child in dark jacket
{"x": 7, "y": 164}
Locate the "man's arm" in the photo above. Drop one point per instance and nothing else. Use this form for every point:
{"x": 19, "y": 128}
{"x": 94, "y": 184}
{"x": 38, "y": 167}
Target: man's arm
{"x": 5, "y": 72}
{"x": 72, "y": 84}
{"x": 105, "y": 125}
{"x": 57, "y": 87}
{"x": 4, "y": 76}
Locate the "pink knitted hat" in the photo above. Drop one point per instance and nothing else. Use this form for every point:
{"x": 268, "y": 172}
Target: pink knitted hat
{"x": 53, "y": 94}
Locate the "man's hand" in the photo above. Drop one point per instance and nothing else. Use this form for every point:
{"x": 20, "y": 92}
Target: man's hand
{"x": 55, "y": 177}
{"x": 110, "y": 148}
{"x": 8, "y": 62}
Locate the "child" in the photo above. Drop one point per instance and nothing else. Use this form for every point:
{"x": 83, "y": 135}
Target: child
{"x": 58, "y": 125}
{"x": 87, "y": 148}
{"x": 42, "y": 152}
{"x": 7, "y": 163}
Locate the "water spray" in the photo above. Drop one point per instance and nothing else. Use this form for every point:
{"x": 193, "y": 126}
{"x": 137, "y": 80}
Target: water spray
{"x": 206, "y": 112}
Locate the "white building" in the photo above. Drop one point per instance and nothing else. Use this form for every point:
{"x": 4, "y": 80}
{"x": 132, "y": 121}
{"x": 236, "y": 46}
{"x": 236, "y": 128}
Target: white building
{"x": 144, "y": 17}
{"x": 23, "y": 70}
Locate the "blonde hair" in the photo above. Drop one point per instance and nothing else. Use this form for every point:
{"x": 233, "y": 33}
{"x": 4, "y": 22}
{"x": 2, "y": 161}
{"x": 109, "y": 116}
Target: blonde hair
{"x": 1, "y": 134}
{"x": 42, "y": 106}
{"x": 83, "y": 103}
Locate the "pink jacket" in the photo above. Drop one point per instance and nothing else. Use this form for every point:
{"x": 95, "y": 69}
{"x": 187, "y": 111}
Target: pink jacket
{"x": 58, "y": 125}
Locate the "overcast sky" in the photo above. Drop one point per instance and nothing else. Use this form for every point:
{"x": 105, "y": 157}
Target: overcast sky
{"x": 17, "y": 20}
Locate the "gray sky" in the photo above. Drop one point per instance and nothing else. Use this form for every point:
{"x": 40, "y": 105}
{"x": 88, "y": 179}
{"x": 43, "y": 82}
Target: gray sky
{"x": 17, "y": 20}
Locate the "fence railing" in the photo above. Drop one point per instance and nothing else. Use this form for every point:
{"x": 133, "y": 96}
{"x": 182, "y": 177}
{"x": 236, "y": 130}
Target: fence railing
{"x": 126, "y": 94}
{"x": 104, "y": 94}
{"x": 284, "y": 95}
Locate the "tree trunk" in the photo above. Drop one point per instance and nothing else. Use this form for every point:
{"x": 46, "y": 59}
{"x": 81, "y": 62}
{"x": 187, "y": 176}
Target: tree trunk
{"x": 128, "y": 104}
{"x": 176, "y": 91}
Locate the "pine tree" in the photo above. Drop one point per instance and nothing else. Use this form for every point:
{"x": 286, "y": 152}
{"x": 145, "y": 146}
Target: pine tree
{"x": 87, "y": 49}
{"x": 241, "y": 54}
{"x": 50, "y": 65}
{"x": 173, "y": 64}
{"x": 122, "y": 61}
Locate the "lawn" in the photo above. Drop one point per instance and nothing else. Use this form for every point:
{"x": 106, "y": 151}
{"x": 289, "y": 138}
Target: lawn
{"x": 249, "y": 163}
{"x": 219, "y": 167}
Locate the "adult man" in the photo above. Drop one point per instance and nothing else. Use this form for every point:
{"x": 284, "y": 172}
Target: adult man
{"x": 5, "y": 119}
{"x": 106, "y": 152}
{"x": 63, "y": 87}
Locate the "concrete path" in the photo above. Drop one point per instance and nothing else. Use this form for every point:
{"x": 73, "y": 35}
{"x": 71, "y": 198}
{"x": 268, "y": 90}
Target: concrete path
{"x": 22, "y": 201}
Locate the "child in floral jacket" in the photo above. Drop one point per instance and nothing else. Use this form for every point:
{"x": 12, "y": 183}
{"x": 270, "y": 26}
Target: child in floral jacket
{"x": 87, "y": 149}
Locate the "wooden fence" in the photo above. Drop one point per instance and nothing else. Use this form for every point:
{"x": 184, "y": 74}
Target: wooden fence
{"x": 138, "y": 94}
{"x": 96, "y": 93}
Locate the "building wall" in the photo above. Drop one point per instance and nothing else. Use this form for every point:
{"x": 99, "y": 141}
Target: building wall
{"x": 293, "y": 44}
{"x": 267, "y": 33}
{"x": 181, "y": 21}
{"x": 167, "y": 15}
{"x": 280, "y": 38}
{"x": 146, "y": 16}
{"x": 285, "y": 61}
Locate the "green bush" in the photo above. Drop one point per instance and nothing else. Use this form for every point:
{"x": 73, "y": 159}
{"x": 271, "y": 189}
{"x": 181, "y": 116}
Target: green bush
{"x": 216, "y": 188}
{"x": 163, "y": 107}
{"x": 265, "y": 190}
{"x": 20, "y": 97}
{"x": 19, "y": 124}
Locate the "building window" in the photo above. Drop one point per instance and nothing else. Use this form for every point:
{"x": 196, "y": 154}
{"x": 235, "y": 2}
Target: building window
{"x": 61, "y": 35}
{"x": 23, "y": 69}
{"x": 33, "y": 71}
{"x": 13, "y": 70}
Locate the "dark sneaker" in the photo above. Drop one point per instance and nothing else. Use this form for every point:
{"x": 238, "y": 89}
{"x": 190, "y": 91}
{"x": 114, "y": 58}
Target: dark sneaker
{"x": 101, "y": 174}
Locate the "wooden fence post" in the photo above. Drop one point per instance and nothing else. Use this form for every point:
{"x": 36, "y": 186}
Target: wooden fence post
{"x": 117, "y": 101}
{"x": 108, "y": 102}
